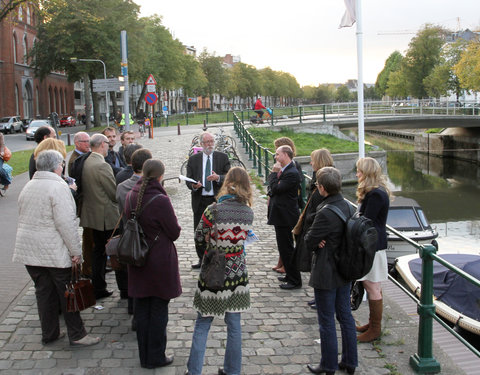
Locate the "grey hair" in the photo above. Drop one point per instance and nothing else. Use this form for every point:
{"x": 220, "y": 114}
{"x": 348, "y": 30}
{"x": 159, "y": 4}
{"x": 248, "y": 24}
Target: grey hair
{"x": 203, "y": 135}
{"x": 97, "y": 139}
{"x": 48, "y": 160}
{"x": 77, "y": 136}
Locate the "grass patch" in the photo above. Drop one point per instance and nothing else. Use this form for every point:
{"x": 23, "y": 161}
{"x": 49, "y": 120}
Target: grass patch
{"x": 434, "y": 130}
{"x": 257, "y": 181}
{"x": 305, "y": 142}
{"x": 392, "y": 368}
{"x": 20, "y": 160}
{"x": 389, "y": 144}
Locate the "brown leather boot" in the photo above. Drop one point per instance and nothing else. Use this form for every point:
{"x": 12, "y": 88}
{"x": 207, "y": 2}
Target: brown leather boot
{"x": 375, "y": 328}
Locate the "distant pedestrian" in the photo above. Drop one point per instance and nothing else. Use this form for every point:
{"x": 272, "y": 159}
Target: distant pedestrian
{"x": 225, "y": 224}
{"x": 42, "y": 133}
{"x": 5, "y": 176}
{"x": 48, "y": 254}
{"x": 374, "y": 201}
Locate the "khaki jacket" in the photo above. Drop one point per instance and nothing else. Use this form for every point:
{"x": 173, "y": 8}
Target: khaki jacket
{"x": 99, "y": 208}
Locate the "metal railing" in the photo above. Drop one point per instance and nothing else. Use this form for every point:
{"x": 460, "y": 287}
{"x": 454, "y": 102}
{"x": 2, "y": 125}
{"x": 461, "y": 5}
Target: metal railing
{"x": 422, "y": 361}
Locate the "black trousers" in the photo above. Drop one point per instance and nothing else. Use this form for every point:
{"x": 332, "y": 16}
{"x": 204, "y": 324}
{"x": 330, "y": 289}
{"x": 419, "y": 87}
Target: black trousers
{"x": 286, "y": 249}
{"x": 205, "y": 201}
{"x": 151, "y": 314}
{"x": 50, "y": 293}
{"x": 99, "y": 259}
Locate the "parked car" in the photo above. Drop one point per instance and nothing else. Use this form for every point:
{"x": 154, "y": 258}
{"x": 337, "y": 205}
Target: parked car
{"x": 34, "y": 125}
{"x": 10, "y": 124}
{"x": 68, "y": 121}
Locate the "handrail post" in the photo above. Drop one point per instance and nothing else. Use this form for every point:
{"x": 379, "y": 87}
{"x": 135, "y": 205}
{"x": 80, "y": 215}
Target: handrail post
{"x": 254, "y": 153}
{"x": 324, "y": 113}
{"x": 250, "y": 146}
{"x": 186, "y": 113}
{"x": 300, "y": 110}
{"x": 266, "y": 164}
{"x": 206, "y": 116}
{"x": 259, "y": 153}
{"x": 423, "y": 361}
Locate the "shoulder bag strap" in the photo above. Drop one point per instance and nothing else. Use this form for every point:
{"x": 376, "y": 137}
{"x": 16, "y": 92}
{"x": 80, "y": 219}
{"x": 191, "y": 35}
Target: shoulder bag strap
{"x": 337, "y": 211}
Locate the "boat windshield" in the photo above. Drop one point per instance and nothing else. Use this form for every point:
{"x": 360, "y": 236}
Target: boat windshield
{"x": 423, "y": 219}
{"x": 403, "y": 218}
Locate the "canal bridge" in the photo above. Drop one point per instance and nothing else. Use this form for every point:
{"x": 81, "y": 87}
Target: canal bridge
{"x": 421, "y": 114}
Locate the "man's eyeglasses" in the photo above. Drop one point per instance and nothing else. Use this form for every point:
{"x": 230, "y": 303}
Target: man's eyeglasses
{"x": 83, "y": 141}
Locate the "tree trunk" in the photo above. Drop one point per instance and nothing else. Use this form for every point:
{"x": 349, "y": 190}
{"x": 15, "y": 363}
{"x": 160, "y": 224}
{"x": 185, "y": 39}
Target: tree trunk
{"x": 88, "y": 108}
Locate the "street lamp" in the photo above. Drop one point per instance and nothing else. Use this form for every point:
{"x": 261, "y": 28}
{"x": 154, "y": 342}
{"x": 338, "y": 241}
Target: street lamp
{"x": 74, "y": 60}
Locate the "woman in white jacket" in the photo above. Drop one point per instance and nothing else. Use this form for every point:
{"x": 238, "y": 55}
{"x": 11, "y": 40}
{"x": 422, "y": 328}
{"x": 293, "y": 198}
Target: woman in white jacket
{"x": 48, "y": 243}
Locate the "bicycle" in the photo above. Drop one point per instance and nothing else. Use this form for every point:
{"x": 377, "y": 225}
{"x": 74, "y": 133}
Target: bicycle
{"x": 266, "y": 119}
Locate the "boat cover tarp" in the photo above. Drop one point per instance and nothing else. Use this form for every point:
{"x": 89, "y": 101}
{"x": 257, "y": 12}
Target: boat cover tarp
{"x": 452, "y": 289}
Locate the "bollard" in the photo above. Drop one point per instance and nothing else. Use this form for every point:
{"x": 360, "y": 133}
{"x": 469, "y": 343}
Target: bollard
{"x": 69, "y": 142}
{"x": 178, "y": 129}
{"x": 204, "y": 125}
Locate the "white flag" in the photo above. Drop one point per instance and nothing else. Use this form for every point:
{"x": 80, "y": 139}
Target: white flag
{"x": 349, "y": 17}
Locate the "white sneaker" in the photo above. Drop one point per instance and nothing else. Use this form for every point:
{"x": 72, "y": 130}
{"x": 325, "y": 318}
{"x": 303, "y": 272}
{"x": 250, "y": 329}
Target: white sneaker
{"x": 86, "y": 341}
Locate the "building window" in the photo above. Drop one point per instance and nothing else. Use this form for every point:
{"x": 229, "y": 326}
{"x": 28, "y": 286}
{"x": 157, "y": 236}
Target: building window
{"x": 17, "y": 101}
{"x": 28, "y": 15}
{"x": 14, "y": 48}
{"x": 20, "y": 14}
{"x": 25, "y": 48}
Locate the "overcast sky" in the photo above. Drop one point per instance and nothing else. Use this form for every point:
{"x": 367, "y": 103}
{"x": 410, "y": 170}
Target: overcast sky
{"x": 302, "y": 37}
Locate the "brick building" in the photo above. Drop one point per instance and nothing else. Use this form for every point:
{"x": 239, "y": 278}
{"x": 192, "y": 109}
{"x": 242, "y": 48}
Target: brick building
{"x": 21, "y": 93}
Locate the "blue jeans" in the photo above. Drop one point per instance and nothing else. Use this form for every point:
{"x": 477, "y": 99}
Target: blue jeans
{"x": 331, "y": 302}
{"x": 232, "y": 363}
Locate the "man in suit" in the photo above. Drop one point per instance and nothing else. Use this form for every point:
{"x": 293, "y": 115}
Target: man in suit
{"x": 208, "y": 168}
{"x": 82, "y": 146}
{"x": 283, "y": 212}
{"x": 112, "y": 157}
{"x": 99, "y": 208}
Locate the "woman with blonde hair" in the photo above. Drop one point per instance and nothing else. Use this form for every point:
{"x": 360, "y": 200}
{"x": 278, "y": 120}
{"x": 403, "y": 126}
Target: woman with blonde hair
{"x": 374, "y": 200}
{"x": 224, "y": 224}
{"x": 303, "y": 257}
{"x": 285, "y": 141}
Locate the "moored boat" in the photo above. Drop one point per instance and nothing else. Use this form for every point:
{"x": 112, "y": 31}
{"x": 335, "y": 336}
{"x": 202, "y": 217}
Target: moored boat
{"x": 456, "y": 299}
{"x": 406, "y": 216}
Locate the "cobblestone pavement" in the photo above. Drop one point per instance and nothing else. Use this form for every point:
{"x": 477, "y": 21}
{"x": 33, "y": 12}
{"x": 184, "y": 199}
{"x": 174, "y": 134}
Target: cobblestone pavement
{"x": 280, "y": 332}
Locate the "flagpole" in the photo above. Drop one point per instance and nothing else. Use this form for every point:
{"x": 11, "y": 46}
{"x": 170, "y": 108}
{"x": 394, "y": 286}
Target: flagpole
{"x": 361, "y": 124}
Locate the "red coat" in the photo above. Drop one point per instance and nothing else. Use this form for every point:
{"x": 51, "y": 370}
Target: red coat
{"x": 160, "y": 277}
{"x": 259, "y": 105}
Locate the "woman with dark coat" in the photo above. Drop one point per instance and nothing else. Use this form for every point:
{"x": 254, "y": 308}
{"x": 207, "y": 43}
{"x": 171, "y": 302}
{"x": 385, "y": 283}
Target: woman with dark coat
{"x": 158, "y": 281}
{"x": 303, "y": 257}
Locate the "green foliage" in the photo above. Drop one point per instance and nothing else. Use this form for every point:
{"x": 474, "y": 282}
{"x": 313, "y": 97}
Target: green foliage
{"x": 397, "y": 84}
{"x": 305, "y": 143}
{"x": 392, "y": 64}
{"x": 343, "y": 94}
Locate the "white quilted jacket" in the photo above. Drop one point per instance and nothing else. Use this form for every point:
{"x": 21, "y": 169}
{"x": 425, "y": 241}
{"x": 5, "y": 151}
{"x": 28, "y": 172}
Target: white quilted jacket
{"x": 47, "y": 232}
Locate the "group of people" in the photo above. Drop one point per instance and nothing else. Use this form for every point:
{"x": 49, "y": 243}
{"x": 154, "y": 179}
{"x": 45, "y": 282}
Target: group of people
{"x": 115, "y": 183}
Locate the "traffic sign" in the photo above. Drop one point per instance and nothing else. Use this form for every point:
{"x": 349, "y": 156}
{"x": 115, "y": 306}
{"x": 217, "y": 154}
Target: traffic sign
{"x": 151, "y": 98}
{"x": 151, "y": 88}
{"x": 109, "y": 84}
{"x": 151, "y": 80}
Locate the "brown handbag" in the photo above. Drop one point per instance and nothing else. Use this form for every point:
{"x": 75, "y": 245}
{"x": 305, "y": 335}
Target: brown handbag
{"x": 79, "y": 293}
{"x": 297, "y": 229}
{"x": 7, "y": 154}
{"x": 112, "y": 246}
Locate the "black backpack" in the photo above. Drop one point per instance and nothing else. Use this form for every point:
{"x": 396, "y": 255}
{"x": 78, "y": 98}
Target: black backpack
{"x": 359, "y": 245}
{"x": 76, "y": 172}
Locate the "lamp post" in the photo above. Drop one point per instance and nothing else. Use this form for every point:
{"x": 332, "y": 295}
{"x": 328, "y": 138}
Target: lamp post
{"x": 74, "y": 60}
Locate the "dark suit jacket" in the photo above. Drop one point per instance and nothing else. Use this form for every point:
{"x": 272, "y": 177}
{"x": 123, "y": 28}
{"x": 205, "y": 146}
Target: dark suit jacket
{"x": 110, "y": 159}
{"x": 74, "y": 155}
{"x": 124, "y": 174}
{"x": 283, "y": 205}
{"x": 221, "y": 165}
{"x": 329, "y": 227}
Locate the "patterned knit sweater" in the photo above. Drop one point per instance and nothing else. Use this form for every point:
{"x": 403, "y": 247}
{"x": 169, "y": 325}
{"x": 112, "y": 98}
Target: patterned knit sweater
{"x": 233, "y": 220}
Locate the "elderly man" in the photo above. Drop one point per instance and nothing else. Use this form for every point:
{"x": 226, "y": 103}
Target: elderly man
{"x": 82, "y": 146}
{"x": 99, "y": 208}
{"x": 283, "y": 212}
{"x": 112, "y": 157}
{"x": 208, "y": 168}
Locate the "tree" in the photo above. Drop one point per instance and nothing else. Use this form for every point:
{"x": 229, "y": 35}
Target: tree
{"x": 342, "y": 94}
{"x": 397, "y": 85}
{"x": 468, "y": 67}
{"x": 215, "y": 74}
{"x": 86, "y": 29}
{"x": 422, "y": 56}
{"x": 246, "y": 81}
{"x": 392, "y": 64}
{"x": 443, "y": 79}
{"x": 8, "y": 7}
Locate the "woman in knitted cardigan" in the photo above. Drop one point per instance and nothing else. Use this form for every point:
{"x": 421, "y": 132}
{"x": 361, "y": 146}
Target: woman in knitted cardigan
{"x": 226, "y": 225}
